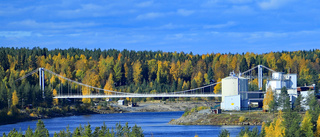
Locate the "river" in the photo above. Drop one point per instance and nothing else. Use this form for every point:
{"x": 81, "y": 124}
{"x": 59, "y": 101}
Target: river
{"x": 152, "y": 123}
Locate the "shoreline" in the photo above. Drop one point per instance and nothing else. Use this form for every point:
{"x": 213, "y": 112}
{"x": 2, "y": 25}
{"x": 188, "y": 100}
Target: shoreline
{"x": 151, "y": 106}
{"x": 224, "y": 119}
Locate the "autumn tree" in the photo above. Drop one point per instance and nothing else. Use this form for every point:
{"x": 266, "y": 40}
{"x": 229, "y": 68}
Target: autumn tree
{"x": 81, "y": 64}
{"x": 185, "y": 85}
{"x": 306, "y": 126}
{"x": 220, "y": 70}
{"x": 276, "y": 128}
{"x": 137, "y": 69}
{"x": 105, "y": 66}
{"x": 162, "y": 72}
{"x": 92, "y": 79}
{"x": 175, "y": 70}
{"x": 55, "y": 100}
{"x": 15, "y": 99}
{"x": 217, "y": 88}
{"x": 271, "y": 60}
{"x": 86, "y": 91}
{"x": 187, "y": 70}
{"x": 199, "y": 79}
{"x": 267, "y": 99}
{"x": 109, "y": 85}
{"x": 128, "y": 73}
{"x": 304, "y": 74}
{"x": 317, "y": 133}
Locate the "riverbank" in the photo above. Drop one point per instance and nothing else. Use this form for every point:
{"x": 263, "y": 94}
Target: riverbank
{"x": 163, "y": 106}
{"x": 226, "y": 118}
{"x": 20, "y": 115}
{"x": 47, "y": 113}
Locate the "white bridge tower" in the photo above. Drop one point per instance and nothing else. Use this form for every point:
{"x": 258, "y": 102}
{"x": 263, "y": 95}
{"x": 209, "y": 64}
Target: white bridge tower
{"x": 41, "y": 80}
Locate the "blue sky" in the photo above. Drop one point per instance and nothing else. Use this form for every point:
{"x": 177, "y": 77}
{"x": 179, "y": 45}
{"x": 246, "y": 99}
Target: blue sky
{"x": 205, "y": 26}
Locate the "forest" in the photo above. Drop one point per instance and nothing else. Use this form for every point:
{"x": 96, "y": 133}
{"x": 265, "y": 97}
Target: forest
{"x": 134, "y": 71}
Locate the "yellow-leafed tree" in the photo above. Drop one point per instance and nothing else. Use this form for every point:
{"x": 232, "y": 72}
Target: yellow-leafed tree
{"x": 15, "y": 99}
{"x": 175, "y": 70}
{"x": 267, "y": 99}
{"x": 55, "y": 100}
{"x": 199, "y": 79}
{"x": 91, "y": 78}
{"x": 306, "y": 125}
{"x": 276, "y": 128}
{"x": 217, "y": 88}
{"x": 137, "y": 69}
{"x": 86, "y": 91}
{"x": 317, "y": 134}
{"x": 185, "y": 85}
{"x": 109, "y": 84}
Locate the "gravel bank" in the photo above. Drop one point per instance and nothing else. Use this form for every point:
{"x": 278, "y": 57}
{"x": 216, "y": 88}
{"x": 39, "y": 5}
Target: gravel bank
{"x": 161, "y": 106}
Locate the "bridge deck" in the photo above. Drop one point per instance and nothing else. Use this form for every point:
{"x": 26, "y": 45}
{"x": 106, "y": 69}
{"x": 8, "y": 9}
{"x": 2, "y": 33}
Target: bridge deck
{"x": 138, "y": 95}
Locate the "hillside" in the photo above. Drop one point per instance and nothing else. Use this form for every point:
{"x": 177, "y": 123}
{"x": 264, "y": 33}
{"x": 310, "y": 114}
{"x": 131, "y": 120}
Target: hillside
{"x": 133, "y": 71}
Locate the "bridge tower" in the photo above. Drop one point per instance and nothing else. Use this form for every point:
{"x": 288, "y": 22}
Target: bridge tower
{"x": 260, "y": 77}
{"x": 41, "y": 80}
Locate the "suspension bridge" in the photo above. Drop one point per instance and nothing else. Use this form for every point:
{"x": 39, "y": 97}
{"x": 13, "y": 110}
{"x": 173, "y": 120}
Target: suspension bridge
{"x": 103, "y": 93}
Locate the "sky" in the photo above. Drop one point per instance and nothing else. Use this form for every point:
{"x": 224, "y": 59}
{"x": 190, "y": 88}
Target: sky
{"x": 197, "y": 26}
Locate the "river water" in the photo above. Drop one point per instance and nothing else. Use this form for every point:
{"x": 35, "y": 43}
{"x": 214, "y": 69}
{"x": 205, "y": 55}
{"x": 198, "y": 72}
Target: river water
{"x": 152, "y": 123}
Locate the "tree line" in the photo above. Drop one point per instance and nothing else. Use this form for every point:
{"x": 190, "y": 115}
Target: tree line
{"x": 134, "y": 71}
{"x": 81, "y": 131}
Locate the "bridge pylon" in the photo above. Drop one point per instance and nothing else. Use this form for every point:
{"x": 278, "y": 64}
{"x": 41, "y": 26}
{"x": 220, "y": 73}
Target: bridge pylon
{"x": 260, "y": 78}
{"x": 41, "y": 80}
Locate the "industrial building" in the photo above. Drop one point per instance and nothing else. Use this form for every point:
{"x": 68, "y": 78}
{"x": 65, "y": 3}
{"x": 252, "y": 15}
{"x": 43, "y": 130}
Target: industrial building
{"x": 280, "y": 80}
{"x": 232, "y": 87}
{"x": 235, "y": 94}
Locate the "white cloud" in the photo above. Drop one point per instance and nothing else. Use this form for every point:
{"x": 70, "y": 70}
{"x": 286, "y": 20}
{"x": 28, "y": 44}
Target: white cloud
{"x": 51, "y": 25}
{"x": 209, "y": 3}
{"x": 239, "y": 1}
{"x": 17, "y": 34}
{"x": 145, "y": 4}
{"x": 265, "y": 35}
{"x": 219, "y": 26}
{"x": 256, "y": 35}
{"x": 184, "y": 12}
{"x": 259, "y": 36}
{"x": 150, "y": 15}
{"x": 272, "y": 4}
{"x": 240, "y": 10}
{"x": 218, "y": 3}
{"x": 168, "y": 26}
